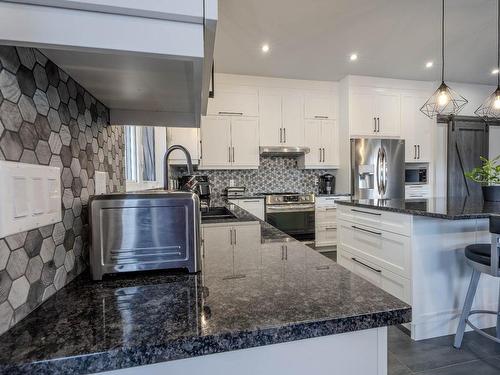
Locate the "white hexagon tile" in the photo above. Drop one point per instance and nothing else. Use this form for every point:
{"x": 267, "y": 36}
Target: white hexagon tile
{"x": 47, "y": 118}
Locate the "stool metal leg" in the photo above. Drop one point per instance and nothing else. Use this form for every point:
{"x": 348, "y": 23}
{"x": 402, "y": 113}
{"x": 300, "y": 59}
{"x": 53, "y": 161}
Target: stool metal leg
{"x": 471, "y": 292}
{"x": 498, "y": 316}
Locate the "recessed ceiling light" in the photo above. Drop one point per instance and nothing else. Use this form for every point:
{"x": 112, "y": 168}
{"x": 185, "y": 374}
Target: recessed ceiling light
{"x": 265, "y": 48}
{"x": 494, "y": 71}
{"x": 429, "y": 64}
{"x": 353, "y": 57}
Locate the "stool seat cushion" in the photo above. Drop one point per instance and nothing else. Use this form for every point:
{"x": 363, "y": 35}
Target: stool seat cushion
{"x": 479, "y": 253}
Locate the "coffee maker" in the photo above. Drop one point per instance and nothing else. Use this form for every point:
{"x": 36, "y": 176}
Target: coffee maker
{"x": 327, "y": 184}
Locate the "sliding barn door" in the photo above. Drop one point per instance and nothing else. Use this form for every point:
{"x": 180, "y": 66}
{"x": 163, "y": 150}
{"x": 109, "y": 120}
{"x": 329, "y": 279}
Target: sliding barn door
{"x": 467, "y": 140}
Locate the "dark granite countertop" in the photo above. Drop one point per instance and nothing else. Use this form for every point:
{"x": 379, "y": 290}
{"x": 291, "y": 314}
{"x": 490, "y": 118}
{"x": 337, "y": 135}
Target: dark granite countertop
{"x": 140, "y": 319}
{"x": 441, "y": 208}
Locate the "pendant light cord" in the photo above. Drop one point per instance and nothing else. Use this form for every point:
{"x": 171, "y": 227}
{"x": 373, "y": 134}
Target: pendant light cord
{"x": 442, "y": 44}
{"x": 498, "y": 44}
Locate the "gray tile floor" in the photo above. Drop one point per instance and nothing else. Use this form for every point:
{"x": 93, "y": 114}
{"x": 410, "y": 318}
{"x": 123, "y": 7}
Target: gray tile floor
{"x": 478, "y": 355}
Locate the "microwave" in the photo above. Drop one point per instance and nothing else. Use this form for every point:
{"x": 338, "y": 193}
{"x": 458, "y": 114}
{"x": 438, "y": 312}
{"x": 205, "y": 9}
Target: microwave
{"x": 416, "y": 174}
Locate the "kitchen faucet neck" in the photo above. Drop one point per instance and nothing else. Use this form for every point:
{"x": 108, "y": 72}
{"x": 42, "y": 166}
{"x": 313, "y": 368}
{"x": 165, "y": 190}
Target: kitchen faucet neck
{"x": 189, "y": 164}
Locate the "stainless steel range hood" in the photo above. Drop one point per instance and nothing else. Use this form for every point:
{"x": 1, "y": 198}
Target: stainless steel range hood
{"x": 288, "y": 151}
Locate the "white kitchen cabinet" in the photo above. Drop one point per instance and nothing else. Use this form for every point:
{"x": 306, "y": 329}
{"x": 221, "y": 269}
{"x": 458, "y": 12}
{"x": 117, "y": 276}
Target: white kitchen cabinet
{"x": 271, "y": 120}
{"x": 229, "y": 143}
{"x": 281, "y": 119}
{"x": 253, "y": 205}
{"x": 215, "y": 134}
{"x": 319, "y": 106}
{"x": 234, "y": 244}
{"x": 245, "y": 143}
{"x": 417, "y": 129}
{"x": 374, "y": 112}
{"x": 326, "y": 220}
{"x": 418, "y": 191}
{"x": 321, "y": 136}
{"x": 187, "y": 137}
{"x": 237, "y": 102}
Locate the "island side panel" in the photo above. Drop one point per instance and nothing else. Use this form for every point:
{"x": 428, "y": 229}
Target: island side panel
{"x": 361, "y": 352}
{"x": 440, "y": 276}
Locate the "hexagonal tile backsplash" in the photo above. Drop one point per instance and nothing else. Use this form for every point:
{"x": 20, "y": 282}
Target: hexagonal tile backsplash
{"x": 47, "y": 118}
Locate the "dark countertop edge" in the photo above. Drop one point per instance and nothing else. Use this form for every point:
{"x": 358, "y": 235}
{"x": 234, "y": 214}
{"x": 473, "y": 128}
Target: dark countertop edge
{"x": 434, "y": 215}
{"x": 142, "y": 355}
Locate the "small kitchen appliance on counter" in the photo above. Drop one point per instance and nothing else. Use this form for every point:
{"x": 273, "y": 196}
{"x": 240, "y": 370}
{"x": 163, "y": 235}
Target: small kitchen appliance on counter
{"x": 327, "y": 184}
{"x": 200, "y": 184}
{"x": 148, "y": 230}
{"x": 235, "y": 191}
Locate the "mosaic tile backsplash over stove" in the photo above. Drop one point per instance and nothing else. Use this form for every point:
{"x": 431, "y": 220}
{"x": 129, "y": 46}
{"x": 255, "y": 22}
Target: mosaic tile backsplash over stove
{"x": 275, "y": 174}
{"x": 47, "y": 118}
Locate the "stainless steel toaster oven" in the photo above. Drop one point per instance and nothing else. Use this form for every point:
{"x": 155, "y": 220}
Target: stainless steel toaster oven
{"x": 144, "y": 231}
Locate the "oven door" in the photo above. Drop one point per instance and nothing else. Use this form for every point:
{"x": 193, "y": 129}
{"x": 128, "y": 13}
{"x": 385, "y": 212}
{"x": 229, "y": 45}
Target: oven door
{"x": 295, "y": 220}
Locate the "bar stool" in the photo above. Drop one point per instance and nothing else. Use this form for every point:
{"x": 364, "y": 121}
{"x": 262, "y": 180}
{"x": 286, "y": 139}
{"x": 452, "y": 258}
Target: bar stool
{"x": 483, "y": 258}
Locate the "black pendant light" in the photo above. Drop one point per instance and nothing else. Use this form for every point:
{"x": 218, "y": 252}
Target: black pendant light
{"x": 444, "y": 101}
{"x": 490, "y": 109}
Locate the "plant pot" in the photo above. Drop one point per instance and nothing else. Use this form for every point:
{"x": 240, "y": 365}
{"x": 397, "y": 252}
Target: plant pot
{"x": 491, "y": 193}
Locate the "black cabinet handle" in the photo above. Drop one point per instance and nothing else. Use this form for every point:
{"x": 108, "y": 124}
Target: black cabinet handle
{"x": 366, "y": 265}
{"x": 366, "y": 212}
{"x": 231, "y": 113}
{"x": 366, "y": 230}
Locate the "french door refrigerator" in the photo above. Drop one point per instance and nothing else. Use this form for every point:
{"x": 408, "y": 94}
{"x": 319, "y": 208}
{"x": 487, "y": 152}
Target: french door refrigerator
{"x": 378, "y": 168}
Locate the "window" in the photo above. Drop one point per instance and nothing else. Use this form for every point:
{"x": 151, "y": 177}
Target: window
{"x": 144, "y": 149}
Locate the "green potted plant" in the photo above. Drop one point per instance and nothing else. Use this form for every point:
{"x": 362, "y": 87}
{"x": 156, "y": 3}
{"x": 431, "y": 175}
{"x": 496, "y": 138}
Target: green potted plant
{"x": 488, "y": 175}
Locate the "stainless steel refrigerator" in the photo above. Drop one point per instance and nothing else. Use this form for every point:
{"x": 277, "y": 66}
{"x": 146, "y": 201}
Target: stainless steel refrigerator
{"x": 378, "y": 168}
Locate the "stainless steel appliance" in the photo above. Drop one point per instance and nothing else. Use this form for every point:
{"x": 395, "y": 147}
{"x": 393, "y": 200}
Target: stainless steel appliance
{"x": 416, "y": 174}
{"x": 144, "y": 231}
{"x": 378, "y": 168}
{"x": 285, "y": 151}
{"x": 291, "y": 213}
{"x": 327, "y": 184}
{"x": 197, "y": 183}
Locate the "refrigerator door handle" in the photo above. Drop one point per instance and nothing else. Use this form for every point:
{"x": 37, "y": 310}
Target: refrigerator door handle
{"x": 384, "y": 168}
{"x": 377, "y": 172}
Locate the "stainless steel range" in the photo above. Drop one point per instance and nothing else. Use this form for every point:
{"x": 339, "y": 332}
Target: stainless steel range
{"x": 292, "y": 213}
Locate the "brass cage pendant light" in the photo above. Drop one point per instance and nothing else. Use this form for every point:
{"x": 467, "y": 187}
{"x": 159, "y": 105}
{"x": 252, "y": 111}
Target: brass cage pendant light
{"x": 490, "y": 109}
{"x": 444, "y": 101}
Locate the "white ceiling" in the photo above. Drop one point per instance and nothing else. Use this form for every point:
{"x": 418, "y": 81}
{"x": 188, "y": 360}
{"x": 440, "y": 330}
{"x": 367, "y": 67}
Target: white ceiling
{"x": 312, "y": 39}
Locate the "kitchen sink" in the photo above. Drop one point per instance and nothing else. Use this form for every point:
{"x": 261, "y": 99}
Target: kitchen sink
{"x": 216, "y": 213}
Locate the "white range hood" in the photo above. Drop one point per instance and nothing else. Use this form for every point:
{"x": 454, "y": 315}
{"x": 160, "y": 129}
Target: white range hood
{"x": 149, "y": 61}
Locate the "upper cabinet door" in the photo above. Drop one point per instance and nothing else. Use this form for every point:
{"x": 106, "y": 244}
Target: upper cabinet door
{"x": 388, "y": 113}
{"x": 362, "y": 118}
{"x": 293, "y": 119}
{"x": 237, "y": 103}
{"x": 271, "y": 132}
{"x": 245, "y": 143}
{"x": 330, "y": 139}
{"x": 187, "y": 137}
{"x": 417, "y": 129}
{"x": 319, "y": 106}
{"x": 313, "y": 141}
{"x": 215, "y": 135}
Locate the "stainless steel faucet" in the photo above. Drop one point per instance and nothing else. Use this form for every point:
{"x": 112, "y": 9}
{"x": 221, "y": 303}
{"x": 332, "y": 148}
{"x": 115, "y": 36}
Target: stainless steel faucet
{"x": 189, "y": 163}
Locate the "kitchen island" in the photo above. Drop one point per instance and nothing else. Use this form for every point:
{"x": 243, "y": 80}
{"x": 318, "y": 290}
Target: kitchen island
{"x": 263, "y": 303}
{"x": 414, "y": 249}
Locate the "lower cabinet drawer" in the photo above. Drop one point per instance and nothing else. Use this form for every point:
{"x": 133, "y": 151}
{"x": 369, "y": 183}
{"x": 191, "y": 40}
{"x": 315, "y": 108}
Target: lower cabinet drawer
{"x": 393, "y": 284}
{"x": 385, "y": 249}
{"x": 326, "y": 235}
{"x": 326, "y": 214}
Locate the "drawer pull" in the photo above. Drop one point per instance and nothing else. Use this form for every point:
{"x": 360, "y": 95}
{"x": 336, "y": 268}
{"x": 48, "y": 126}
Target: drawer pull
{"x": 234, "y": 277}
{"x": 331, "y": 228}
{"x": 366, "y": 230}
{"x": 366, "y": 212}
{"x": 320, "y": 268}
{"x": 230, "y": 113}
{"x": 366, "y": 265}
{"x": 330, "y": 208}
{"x": 252, "y": 201}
